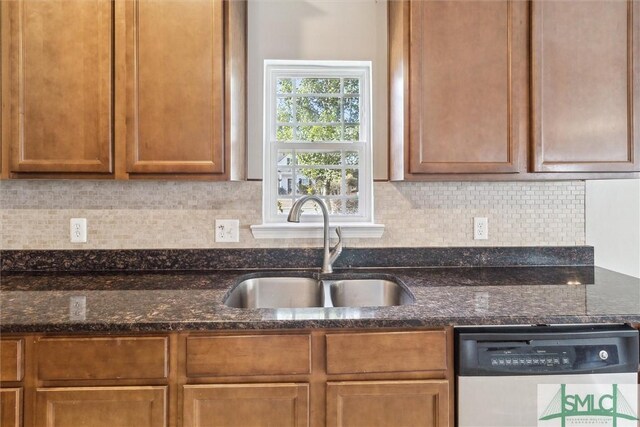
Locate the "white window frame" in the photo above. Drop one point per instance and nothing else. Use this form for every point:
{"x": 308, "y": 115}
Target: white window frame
{"x": 276, "y": 225}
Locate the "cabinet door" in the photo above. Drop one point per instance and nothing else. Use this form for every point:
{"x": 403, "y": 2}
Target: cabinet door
{"x": 467, "y": 86}
{"x": 101, "y": 407}
{"x": 175, "y": 86}
{"x": 11, "y": 407}
{"x": 388, "y": 404}
{"x": 585, "y": 86}
{"x": 241, "y": 405}
{"x": 61, "y": 82}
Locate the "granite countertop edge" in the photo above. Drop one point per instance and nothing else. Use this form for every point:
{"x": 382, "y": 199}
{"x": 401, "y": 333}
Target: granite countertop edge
{"x": 157, "y": 302}
{"x": 435, "y": 322}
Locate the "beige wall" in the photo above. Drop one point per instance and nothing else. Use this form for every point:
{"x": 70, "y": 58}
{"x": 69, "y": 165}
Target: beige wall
{"x": 35, "y": 214}
{"x": 317, "y": 30}
{"x": 613, "y": 224}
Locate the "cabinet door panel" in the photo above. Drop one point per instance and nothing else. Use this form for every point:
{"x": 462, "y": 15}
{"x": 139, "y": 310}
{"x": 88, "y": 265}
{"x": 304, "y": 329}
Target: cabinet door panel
{"x": 175, "y": 86}
{"x": 585, "y": 103}
{"x": 11, "y": 407}
{"x": 240, "y": 405}
{"x": 388, "y": 404}
{"x": 101, "y": 407}
{"x": 464, "y": 101}
{"x": 61, "y": 68}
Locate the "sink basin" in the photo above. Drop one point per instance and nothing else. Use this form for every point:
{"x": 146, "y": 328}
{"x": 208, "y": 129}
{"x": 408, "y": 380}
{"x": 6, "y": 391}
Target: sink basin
{"x": 368, "y": 293}
{"x": 276, "y": 292}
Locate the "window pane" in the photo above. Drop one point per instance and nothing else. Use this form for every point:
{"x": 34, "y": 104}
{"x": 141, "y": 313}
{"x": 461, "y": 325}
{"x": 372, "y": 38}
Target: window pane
{"x": 331, "y": 158}
{"x": 310, "y": 208}
{"x": 318, "y": 110}
{"x": 285, "y": 181}
{"x": 316, "y": 85}
{"x": 284, "y": 110}
{"x": 284, "y": 133}
{"x": 352, "y": 206}
{"x": 351, "y": 85}
{"x": 335, "y": 206}
{"x": 283, "y": 206}
{"x": 352, "y": 133}
{"x": 319, "y": 133}
{"x": 325, "y": 182}
{"x": 285, "y": 158}
{"x": 284, "y": 86}
{"x": 352, "y": 110}
{"x": 351, "y": 158}
{"x": 352, "y": 181}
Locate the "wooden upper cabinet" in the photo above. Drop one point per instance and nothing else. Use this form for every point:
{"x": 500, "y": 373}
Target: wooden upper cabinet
{"x": 175, "y": 77}
{"x": 60, "y": 82}
{"x": 458, "y": 86}
{"x": 585, "y": 86}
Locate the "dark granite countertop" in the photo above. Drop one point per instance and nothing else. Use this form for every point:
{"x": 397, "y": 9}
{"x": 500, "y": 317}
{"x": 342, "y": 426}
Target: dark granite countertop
{"x": 166, "y": 301}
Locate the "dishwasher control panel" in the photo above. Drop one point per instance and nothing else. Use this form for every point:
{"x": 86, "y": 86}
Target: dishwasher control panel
{"x": 494, "y": 357}
{"x": 546, "y": 350}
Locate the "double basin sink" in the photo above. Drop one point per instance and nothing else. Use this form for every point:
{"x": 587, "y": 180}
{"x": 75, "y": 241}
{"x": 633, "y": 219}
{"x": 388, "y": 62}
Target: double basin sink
{"x": 304, "y": 292}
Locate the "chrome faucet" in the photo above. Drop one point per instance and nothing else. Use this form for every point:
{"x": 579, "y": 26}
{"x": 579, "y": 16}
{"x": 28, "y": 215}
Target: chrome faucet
{"x": 330, "y": 256}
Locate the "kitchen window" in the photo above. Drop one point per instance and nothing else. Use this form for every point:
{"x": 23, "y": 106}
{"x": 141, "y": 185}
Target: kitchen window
{"x": 317, "y": 141}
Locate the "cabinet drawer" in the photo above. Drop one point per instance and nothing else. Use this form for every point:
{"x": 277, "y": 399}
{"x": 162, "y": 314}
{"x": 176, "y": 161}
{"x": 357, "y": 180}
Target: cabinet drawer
{"x": 102, "y": 358}
{"x": 386, "y": 352}
{"x": 248, "y": 355}
{"x": 11, "y": 359}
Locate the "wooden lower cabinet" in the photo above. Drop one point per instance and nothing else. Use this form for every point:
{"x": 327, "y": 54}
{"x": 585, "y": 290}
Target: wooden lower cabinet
{"x": 101, "y": 407}
{"x": 284, "y": 378}
{"x": 243, "y": 405}
{"x": 10, "y": 407}
{"x": 388, "y": 404}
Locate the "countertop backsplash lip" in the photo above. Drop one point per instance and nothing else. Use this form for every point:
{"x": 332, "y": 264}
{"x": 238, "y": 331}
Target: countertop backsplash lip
{"x": 289, "y": 258}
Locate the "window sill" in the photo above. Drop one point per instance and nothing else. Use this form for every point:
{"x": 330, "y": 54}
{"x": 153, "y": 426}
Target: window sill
{"x": 314, "y": 230}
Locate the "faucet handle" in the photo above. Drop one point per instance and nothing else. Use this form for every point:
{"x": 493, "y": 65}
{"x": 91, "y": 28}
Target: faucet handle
{"x": 337, "y": 249}
{"x": 339, "y": 233}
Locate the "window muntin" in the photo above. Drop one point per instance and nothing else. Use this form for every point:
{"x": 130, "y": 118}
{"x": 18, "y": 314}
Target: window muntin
{"x": 318, "y": 139}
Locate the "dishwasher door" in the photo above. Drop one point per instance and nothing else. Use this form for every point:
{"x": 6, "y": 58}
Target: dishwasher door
{"x": 513, "y": 401}
{"x": 547, "y": 376}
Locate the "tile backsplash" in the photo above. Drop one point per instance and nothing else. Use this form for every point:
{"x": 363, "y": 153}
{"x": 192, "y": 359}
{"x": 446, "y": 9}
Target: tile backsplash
{"x": 148, "y": 214}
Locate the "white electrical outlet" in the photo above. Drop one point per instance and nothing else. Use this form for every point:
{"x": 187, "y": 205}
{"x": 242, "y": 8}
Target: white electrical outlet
{"x": 78, "y": 308}
{"x": 480, "y": 228}
{"x": 227, "y": 230}
{"x": 78, "y": 230}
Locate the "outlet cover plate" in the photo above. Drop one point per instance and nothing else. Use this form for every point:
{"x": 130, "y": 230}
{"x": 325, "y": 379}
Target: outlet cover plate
{"x": 78, "y": 230}
{"x": 480, "y": 228}
{"x": 227, "y": 230}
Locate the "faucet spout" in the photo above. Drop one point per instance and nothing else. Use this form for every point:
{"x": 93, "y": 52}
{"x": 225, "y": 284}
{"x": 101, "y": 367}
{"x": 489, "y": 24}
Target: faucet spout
{"x": 329, "y": 256}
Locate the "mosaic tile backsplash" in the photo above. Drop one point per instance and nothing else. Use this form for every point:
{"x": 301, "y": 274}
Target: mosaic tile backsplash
{"x": 158, "y": 215}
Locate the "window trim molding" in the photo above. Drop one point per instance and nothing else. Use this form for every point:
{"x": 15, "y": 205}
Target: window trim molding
{"x": 274, "y": 69}
{"x": 314, "y": 230}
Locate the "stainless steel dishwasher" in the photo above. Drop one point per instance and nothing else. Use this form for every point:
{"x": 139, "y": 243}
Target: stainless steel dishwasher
{"x": 547, "y": 376}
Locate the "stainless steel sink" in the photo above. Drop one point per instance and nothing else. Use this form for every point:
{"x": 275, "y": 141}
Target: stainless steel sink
{"x": 305, "y": 292}
{"x": 368, "y": 293}
{"x": 276, "y": 292}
